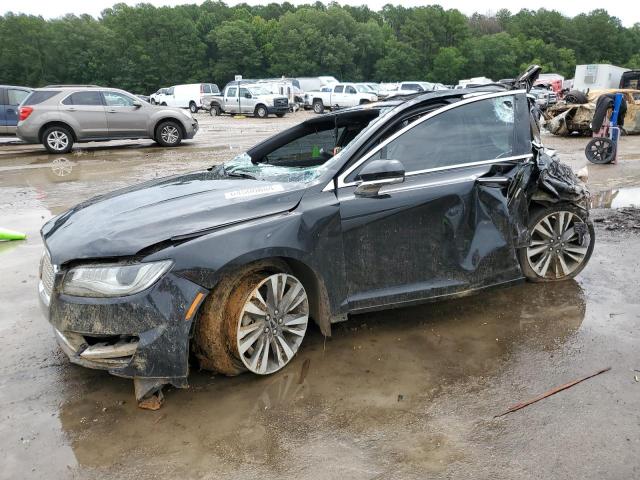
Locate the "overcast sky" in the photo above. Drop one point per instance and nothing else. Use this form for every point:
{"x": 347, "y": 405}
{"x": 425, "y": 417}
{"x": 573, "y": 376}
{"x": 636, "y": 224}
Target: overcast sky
{"x": 627, "y": 11}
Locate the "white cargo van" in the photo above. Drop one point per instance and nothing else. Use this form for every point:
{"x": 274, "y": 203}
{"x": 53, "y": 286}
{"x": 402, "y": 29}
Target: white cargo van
{"x": 190, "y": 95}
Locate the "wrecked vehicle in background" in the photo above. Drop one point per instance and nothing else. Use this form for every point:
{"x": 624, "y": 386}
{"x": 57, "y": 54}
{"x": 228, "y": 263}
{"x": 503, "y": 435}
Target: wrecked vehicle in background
{"x": 569, "y": 116}
{"x": 423, "y": 197}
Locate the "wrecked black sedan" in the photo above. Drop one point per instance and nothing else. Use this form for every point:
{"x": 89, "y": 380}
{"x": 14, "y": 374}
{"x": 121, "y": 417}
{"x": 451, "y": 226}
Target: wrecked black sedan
{"x": 424, "y": 197}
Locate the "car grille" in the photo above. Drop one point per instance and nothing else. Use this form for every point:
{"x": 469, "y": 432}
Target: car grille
{"x": 281, "y": 102}
{"x": 46, "y": 273}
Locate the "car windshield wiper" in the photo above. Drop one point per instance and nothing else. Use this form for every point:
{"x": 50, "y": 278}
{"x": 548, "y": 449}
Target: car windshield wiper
{"x": 240, "y": 175}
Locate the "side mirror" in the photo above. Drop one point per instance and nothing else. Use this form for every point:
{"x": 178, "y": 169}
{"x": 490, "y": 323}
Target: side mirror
{"x": 137, "y": 104}
{"x": 378, "y": 173}
{"x": 247, "y": 95}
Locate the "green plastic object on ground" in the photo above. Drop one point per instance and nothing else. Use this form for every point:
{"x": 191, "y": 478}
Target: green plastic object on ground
{"x": 11, "y": 235}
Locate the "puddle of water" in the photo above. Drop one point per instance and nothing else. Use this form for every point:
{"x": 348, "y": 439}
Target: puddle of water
{"x": 616, "y": 198}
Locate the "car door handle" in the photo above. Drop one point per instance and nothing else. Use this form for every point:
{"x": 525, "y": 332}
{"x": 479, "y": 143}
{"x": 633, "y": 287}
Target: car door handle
{"x": 71, "y": 109}
{"x": 497, "y": 181}
{"x": 112, "y": 111}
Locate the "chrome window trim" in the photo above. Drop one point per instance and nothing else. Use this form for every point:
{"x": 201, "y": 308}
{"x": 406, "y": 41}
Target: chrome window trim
{"x": 527, "y": 156}
{"x": 466, "y": 101}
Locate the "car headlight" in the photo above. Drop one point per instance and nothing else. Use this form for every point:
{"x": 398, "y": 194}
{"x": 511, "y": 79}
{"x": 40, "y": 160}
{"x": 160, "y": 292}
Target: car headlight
{"x": 113, "y": 280}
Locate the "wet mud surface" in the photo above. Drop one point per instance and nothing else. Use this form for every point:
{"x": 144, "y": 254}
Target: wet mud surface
{"x": 405, "y": 393}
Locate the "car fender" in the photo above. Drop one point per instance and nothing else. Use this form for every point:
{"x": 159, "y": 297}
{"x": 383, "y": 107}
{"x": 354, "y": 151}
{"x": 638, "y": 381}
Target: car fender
{"x": 311, "y": 242}
{"x": 162, "y": 114}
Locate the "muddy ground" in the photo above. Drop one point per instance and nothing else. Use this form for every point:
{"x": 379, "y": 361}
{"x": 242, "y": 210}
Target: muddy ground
{"x": 407, "y": 393}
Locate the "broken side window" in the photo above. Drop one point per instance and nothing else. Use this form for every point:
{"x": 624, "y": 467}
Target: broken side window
{"x": 482, "y": 130}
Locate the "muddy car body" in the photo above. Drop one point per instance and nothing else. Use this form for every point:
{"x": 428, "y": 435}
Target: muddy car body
{"x": 368, "y": 208}
{"x": 566, "y": 118}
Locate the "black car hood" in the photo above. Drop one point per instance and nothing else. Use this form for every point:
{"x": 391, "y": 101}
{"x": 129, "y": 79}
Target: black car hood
{"x": 126, "y": 221}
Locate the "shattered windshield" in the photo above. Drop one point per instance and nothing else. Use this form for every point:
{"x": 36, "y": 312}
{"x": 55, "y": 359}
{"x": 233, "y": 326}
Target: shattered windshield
{"x": 243, "y": 167}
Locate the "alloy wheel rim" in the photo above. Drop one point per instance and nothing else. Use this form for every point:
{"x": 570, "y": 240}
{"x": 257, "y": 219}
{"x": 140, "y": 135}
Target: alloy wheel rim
{"x": 261, "y": 112}
{"x": 600, "y": 150}
{"x": 272, "y": 324}
{"x": 555, "y": 250}
{"x": 57, "y": 140}
{"x": 169, "y": 134}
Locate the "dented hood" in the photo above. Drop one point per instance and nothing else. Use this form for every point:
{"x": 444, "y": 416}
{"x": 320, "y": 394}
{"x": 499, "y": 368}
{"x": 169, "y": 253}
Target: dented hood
{"x": 124, "y": 222}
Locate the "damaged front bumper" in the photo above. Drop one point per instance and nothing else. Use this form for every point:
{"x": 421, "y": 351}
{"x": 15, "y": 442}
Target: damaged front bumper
{"x": 144, "y": 336}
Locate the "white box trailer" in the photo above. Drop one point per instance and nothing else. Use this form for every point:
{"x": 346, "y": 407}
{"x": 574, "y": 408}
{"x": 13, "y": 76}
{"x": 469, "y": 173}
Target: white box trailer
{"x": 597, "y": 76}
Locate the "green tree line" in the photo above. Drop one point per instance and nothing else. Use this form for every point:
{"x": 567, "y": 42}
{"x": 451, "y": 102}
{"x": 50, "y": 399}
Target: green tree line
{"x": 142, "y": 48}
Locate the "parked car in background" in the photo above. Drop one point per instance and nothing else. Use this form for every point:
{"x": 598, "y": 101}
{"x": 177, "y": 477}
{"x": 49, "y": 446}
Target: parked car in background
{"x": 144, "y": 98}
{"x": 190, "y": 95}
{"x": 60, "y": 116}
{"x": 407, "y": 88}
{"x": 252, "y": 99}
{"x": 159, "y": 98}
{"x": 340, "y": 95}
{"x": 575, "y": 114}
{"x": 10, "y": 98}
{"x": 545, "y": 97}
{"x": 387, "y": 89}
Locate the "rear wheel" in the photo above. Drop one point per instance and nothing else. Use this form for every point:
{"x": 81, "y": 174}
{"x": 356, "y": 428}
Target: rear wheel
{"x": 193, "y": 107}
{"x": 561, "y": 244}
{"x": 57, "y": 139}
{"x": 169, "y": 134}
{"x": 215, "y": 110}
{"x": 261, "y": 111}
{"x": 261, "y": 324}
{"x": 279, "y": 115}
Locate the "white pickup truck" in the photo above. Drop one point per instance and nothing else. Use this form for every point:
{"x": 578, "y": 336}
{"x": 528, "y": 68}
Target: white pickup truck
{"x": 247, "y": 98}
{"x": 340, "y": 95}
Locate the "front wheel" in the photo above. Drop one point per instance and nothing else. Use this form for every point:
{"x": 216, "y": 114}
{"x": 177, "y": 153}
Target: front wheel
{"x": 169, "y": 134}
{"x": 57, "y": 139}
{"x": 279, "y": 115}
{"x": 562, "y": 241}
{"x": 261, "y": 111}
{"x": 260, "y": 327}
{"x": 152, "y": 102}
{"x": 318, "y": 106}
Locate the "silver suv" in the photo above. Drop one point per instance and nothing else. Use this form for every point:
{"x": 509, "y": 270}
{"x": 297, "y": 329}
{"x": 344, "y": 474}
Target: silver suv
{"x": 58, "y": 116}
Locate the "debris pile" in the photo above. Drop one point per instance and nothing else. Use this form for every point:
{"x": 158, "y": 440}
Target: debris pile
{"x": 618, "y": 219}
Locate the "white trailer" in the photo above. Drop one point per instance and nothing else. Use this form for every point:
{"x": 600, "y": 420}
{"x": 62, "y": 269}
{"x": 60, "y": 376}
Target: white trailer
{"x": 598, "y": 76}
